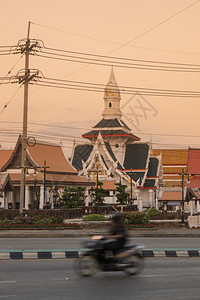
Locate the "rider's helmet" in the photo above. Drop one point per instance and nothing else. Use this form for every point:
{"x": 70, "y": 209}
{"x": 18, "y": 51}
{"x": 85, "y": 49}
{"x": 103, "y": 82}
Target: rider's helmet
{"x": 116, "y": 217}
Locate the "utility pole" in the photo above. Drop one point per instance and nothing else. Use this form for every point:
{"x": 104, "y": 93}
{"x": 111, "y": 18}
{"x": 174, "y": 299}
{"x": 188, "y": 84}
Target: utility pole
{"x": 25, "y": 80}
{"x": 25, "y": 116}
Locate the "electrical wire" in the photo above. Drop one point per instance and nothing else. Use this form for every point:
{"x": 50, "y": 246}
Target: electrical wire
{"x": 8, "y": 102}
{"x": 96, "y": 87}
{"x": 69, "y": 53}
{"x": 93, "y": 128}
{"x": 115, "y": 89}
{"x": 129, "y": 65}
{"x": 133, "y": 39}
{"x": 79, "y": 69}
{"x": 71, "y": 139}
{"x": 6, "y": 77}
{"x": 156, "y": 26}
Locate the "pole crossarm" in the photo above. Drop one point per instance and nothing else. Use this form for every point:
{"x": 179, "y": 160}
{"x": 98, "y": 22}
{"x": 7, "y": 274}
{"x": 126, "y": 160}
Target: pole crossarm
{"x": 30, "y": 45}
{"x": 32, "y": 74}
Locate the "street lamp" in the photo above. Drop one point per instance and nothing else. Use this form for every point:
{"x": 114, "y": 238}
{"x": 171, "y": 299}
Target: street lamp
{"x": 182, "y": 206}
{"x": 183, "y": 202}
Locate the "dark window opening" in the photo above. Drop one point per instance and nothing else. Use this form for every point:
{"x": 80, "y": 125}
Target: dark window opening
{"x": 110, "y": 104}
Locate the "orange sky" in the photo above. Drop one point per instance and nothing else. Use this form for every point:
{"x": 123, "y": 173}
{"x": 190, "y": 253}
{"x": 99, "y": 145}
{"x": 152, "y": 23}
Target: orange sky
{"x": 99, "y": 27}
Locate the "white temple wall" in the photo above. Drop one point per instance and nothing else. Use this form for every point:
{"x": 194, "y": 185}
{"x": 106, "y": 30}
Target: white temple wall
{"x": 145, "y": 198}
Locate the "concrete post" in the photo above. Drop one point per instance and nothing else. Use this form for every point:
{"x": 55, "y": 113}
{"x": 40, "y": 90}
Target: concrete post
{"x": 140, "y": 204}
{"x": 191, "y": 207}
{"x": 41, "y": 197}
{"x": 4, "y": 200}
{"x": 198, "y": 207}
{"x": 27, "y": 197}
{"x": 151, "y": 198}
{"x": 87, "y": 196}
{"x": 165, "y": 210}
{"x": 156, "y": 203}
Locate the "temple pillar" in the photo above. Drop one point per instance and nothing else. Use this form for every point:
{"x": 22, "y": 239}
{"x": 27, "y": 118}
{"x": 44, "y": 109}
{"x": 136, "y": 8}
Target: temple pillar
{"x": 87, "y": 196}
{"x": 151, "y": 194}
{"x": 27, "y": 197}
{"x": 41, "y": 197}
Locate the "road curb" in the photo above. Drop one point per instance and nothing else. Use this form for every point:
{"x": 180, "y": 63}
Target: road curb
{"x": 19, "y": 255}
{"x": 83, "y": 235}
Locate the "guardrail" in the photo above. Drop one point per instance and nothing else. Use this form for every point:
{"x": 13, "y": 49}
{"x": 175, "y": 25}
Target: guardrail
{"x": 78, "y": 213}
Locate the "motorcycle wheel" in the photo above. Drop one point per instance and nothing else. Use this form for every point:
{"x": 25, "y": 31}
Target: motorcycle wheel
{"x": 135, "y": 264}
{"x": 86, "y": 266}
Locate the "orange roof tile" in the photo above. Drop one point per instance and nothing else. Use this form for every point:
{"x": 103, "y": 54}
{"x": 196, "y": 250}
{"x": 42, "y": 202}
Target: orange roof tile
{"x": 172, "y": 196}
{"x": 194, "y": 161}
{"x": 172, "y": 183}
{"x": 172, "y": 157}
{"x": 173, "y": 170}
{"x": 15, "y": 177}
{"x": 195, "y": 181}
{"x": 54, "y": 157}
{"x": 109, "y": 185}
{"x": 4, "y": 156}
{"x": 72, "y": 179}
{"x": 52, "y": 179}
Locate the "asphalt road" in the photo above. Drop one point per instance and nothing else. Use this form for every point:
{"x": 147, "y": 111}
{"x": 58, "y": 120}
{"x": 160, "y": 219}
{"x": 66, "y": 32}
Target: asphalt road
{"x": 76, "y": 243}
{"x": 162, "y": 279}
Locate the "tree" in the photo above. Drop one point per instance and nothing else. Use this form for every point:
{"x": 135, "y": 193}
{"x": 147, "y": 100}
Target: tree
{"x": 122, "y": 195}
{"x": 98, "y": 194}
{"x": 72, "y": 197}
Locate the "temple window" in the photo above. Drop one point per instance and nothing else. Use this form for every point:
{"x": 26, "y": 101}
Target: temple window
{"x": 110, "y": 104}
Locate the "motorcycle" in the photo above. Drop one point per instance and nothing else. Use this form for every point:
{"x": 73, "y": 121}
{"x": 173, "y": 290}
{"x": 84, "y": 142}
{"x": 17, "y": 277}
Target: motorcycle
{"x": 129, "y": 259}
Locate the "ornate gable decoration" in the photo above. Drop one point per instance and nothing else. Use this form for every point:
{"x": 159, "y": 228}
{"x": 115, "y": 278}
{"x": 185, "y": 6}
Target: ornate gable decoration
{"x": 14, "y": 161}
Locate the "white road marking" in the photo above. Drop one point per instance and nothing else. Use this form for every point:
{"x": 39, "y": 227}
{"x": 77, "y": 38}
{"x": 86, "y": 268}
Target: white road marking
{"x": 153, "y": 275}
{"x": 8, "y": 281}
{"x": 7, "y": 296}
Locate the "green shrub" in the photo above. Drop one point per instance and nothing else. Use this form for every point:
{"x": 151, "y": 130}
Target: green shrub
{"x": 171, "y": 217}
{"x": 22, "y": 220}
{"x": 72, "y": 197}
{"x": 152, "y": 212}
{"x": 94, "y": 217}
{"x": 135, "y": 217}
{"x": 33, "y": 220}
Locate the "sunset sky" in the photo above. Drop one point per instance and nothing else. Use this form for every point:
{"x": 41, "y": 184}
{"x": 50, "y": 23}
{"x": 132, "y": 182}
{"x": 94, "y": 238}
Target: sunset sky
{"x": 150, "y": 30}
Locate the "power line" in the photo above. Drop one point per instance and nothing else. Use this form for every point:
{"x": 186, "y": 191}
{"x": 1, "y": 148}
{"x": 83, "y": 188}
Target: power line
{"x": 137, "y": 37}
{"x": 127, "y": 45}
{"x": 54, "y": 50}
{"x": 6, "y": 77}
{"x": 93, "y": 128}
{"x": 5, "y": 106}
{"x": 97, "y": 87}
{"x": 124, "y": 63}
{"x": 156, "y": 26}
{"x": 91, "y": 89}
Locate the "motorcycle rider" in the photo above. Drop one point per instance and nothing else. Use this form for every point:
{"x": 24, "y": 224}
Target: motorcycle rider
{"x": 117, "y": 234}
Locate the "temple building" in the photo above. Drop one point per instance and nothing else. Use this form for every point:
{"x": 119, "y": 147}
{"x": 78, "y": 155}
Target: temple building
{"x": 47, "y": 171}
{"x": 116, "y": 155}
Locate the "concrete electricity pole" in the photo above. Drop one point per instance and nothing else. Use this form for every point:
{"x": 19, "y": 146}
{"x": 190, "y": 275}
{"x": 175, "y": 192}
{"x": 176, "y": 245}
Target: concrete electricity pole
{"x": 25, "y": 115}
{"x": 25, "y": 79}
